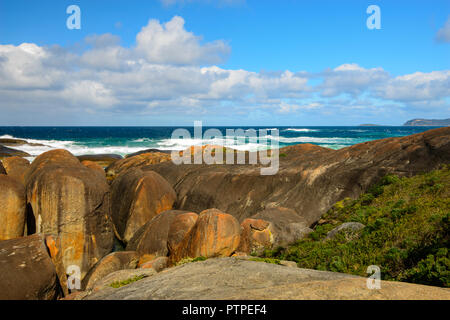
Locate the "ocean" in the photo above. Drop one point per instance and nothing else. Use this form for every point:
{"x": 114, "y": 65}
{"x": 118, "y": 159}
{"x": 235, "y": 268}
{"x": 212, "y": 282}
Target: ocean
{"x": 126, "y": 140}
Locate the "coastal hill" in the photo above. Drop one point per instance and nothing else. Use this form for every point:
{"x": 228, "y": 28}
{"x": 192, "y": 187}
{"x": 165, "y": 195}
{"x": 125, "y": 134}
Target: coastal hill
{"x": 63, "y": 218}
{"x": 428, "y": 122}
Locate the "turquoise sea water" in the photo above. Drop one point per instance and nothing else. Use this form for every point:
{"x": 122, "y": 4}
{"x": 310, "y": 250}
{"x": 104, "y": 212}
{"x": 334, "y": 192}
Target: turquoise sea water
{"x": 125, "y": 140}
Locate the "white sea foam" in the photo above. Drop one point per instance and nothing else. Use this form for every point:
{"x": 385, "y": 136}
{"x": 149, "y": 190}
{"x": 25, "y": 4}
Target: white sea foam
{"x": 313, "y": 140}
{"x": 75, "y": 148}
{"x": 142, "y": 140}
{"x": 80, "y": 148}
{"x": 300, "y": 130}
{"x": 182, "y": 144}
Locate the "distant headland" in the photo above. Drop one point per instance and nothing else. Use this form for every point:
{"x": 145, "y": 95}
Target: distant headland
{"x": 427, "y": 122}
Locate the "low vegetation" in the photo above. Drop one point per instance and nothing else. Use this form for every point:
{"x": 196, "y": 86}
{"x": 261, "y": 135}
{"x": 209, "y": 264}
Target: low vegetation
{"x": 118, "y": 284}
{"x": 406, "y": 233}
{"x": 188, "y": 260}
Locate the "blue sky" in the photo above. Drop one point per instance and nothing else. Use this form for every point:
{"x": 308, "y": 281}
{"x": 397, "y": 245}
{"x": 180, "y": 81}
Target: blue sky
{"x": 226, "y": 62}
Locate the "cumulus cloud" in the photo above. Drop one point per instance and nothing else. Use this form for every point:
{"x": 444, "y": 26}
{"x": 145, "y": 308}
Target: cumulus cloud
{"x": 417, "y": 86}
{"x": 290, "y": 108}
{"x": 170, "y": 70}
{"x": 171, "y": 43}
{"x": 443, "y": 34}
{"x": 351, "y": 79}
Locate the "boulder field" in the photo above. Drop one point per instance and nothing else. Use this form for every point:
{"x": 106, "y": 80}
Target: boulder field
{"x": 310, "y": 178}
{"x": 61, "y": 212}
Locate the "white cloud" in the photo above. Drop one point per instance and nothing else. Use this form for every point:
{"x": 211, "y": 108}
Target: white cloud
{"x": 169, "y": 71}
{"x": 417, "y": 86}
{"x": 171, "y": 43}
{"x": 443, "y": 34}
{"x": 290, "y": 108}
{"x": 351, "y": 79}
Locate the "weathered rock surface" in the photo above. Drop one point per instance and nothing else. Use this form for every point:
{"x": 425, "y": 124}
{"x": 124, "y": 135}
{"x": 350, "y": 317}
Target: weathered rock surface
{"x": 104, "y": 284}
{"x": 113, "y": 262}
{"x": 215, "y": 234}
{"x": 16, "y": 167}
{"x": 55, "y": 251}
{"x": 55, "y": 158}
{"x": 157, "y": 264}
{"x": 348, "y": 228}
{"x": 152, "y": 239}
{"x": 286, "y": 225}
{"x": 147, "y": 151}
{"x": 10, "y": 152}
{"x": 26, "y": 270}
{"x": 137, "y": 161}
{"x": 230, "y": 279}
{"x": 12, "y": 142}
{"x": 67, "y": 200}
{"x": 12, "y": 208}
{"x": 255, "y": 236}
{"x": 179, "y": 228}
{"x": 103, "y": 160}
{"x": 137, "y": 197}
{"x": 94, "y": 166}
{"x": 2, "y": 169}
{"x": 310, "y": 178}
{"x": 17, "y": 142}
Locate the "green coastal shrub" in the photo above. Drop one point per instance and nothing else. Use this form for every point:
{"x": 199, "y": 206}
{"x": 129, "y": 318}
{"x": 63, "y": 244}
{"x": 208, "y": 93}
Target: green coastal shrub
{"x": 406, "y": 233}
{"x": 119, "y": 284}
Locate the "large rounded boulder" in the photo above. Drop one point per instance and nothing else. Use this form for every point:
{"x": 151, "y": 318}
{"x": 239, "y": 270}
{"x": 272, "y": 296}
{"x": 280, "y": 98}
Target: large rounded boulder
{"x": 215, "y": 234}
{"x": 256, "y": 236}
{"x": 286, "y": 225}
{"x": 53, "y": 158}
{"x": 136, "y": 161}
{"x": 26, "y": 270}
{"x": 113, "y": 262}
{"x": 16, "y": 167}
{"x": 162, "y": 234}
{"x": 12, "y": 208}
{"x": 69, "y": 201}
{"x": 136, "y": 198}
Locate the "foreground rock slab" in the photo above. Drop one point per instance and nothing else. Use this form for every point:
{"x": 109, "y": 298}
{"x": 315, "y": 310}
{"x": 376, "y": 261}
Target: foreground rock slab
{"x": 26, "y": 270}
{"x": 230, "y": 278}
